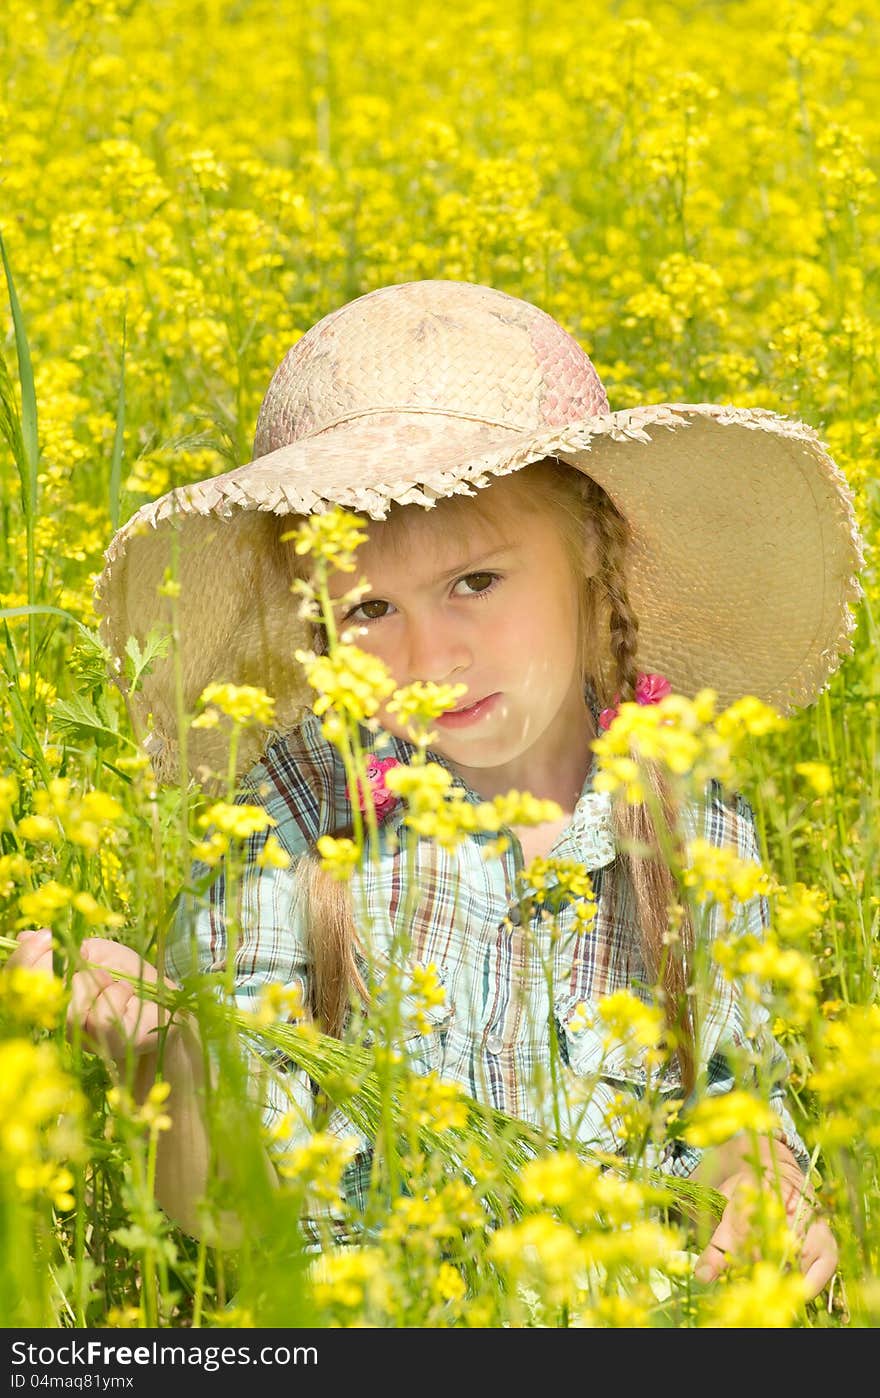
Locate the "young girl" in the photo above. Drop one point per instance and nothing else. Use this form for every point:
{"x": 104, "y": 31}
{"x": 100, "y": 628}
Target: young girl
{"x": 552, "y": 557}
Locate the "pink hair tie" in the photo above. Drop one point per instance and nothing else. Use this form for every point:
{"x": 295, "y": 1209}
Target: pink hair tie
{"x": 650, "y": 689}
{"x": 383, "y": 799}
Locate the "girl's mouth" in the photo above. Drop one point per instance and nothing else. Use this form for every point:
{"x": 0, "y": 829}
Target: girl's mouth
{"x": 460, "y": 718}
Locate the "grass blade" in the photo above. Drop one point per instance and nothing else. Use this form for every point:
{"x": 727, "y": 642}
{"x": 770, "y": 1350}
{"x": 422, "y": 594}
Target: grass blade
{"x": 118, "y": 441}
{"x": 28, "y": 461}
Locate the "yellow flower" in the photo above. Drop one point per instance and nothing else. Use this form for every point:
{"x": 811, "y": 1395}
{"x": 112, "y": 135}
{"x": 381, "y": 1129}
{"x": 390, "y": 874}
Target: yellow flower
{"x": 766, "y": 1298}
{"x": 279, "y": 1002}
{"x": 449, "y": 1283}
{"x": 716, "y": 1119}
{"x": 94, "y": 914}
{"x": 749, "y": 717}
{"x": 99, "y": 805}
{"x": 818, "y": 774}
{"x": 432, "y": 1102}
{"x": 339, "y": 857}
{"x": 32, "y": 997}
{"x": 422, "y": 787}
{"x": 272, "y": 856}
{"x": 557, "y": 882}
{"x": 45, "y": 906}
{"x": 13, "y": 868}
{"x": 330, "y": 538}
{"x": 9, "y": 792}
{"x": 318, "y": 1165}
{"x": 420, "y": 703}
{"x": 717, "y": 872}
{"x": 799, "y": 910}
{"x": 238, "y": 820}
{"x": 350, "y": 680}
{"x": 555, "y": 1181}
{"x": 624, "y": 1019}
{"x": 40, "y": 1105}
{"x": 427, "y": 992}
{"x": 37, "y": 827}
{"x": 212, "y": 850}
{"x": 350, "y": 1278}
{"x": 521, "y": 808}
{"x": 242, "y": 703}
{"x": 546, "y": 1252}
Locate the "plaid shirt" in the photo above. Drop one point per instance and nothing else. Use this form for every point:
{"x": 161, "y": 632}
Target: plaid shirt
{"x": 492, "y": 1034}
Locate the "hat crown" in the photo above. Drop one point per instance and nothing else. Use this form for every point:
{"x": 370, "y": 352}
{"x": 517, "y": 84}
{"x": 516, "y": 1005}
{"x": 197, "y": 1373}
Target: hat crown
{"x": 430, "y": 346}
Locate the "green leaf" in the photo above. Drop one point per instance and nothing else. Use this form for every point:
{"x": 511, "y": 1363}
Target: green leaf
{"x": 156, "y": 646}
{"x": 77, "y": 719}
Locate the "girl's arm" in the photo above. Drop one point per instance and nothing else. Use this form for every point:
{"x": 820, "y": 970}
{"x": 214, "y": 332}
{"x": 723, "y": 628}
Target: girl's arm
{"x": 118, "y": 1024}
{"x": 184, "y": 1150}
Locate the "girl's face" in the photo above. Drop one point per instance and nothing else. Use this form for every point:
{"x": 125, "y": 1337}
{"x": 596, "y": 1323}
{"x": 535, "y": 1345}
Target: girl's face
{"x": 495, "y": 610}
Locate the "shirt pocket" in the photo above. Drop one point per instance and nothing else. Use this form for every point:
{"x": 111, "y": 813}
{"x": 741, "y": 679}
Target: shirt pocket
{"x": 426, "y": 1028}
{"x": 425, "y": 1047}
{"x": 590, "y": 1053}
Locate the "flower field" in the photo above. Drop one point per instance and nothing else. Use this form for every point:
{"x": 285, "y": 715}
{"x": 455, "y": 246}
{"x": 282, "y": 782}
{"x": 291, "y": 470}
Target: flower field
{"x": 185, "y": 188}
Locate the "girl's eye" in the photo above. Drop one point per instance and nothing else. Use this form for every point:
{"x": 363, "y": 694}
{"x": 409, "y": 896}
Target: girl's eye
{"x": 486, "y": 583}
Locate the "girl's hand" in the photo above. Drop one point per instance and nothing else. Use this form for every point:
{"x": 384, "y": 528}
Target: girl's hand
{"x": 778, "y": 1170}
{"x": 113, "y": 1017}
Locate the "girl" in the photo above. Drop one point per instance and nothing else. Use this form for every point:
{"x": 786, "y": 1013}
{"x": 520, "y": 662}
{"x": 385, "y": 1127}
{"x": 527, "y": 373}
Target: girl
{"x": 551, "y": 557}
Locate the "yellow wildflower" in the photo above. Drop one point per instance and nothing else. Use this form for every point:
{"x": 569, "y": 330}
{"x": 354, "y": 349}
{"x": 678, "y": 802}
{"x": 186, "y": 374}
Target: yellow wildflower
{"x": 45, "y": 905}
{"x": 40, "y": 1105}
{"x": 318, "y": 1165}
{"x": 799, "y": 910}
{"x": 9, "y": 793}
{"x": 339, "y": 857}
{"x": 350, "y": 1278}
{"x": 427, "y": 993}
{"x": 766, "y": 1298}
{"x": 432, "y": 1102}
{"x": 420, "y": 703}
{"x": 238, "y": 820}
{"x": 38, "y": 827}
{"x": 715, "y": 1119}
{"x": 13, "y": 868}
{"x": 624, "y": 1020}
{"x": 99, "y": 805}
{"x": 272, "y": 856}
{"x": 32, "y": 997}
{"x": 423, "y": 787}
{"x": 717, "y": 872}
{"x": 212, "y": 850}
{"x": 242, "y": 703}
{"x": 544, "y": 1251}
{"x": 279, "y": 1002}
{"x": 350, "y": 680}
{"x": 818, "y": 774}
{"x": 749, "y": 717}
{"x": 94, "y": 914}
{"x": 331, "y": 537}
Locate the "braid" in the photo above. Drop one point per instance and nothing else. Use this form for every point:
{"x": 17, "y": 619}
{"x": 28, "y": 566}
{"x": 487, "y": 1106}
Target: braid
{"x": 650, "y": 879}
{"x": 615, "y": 539}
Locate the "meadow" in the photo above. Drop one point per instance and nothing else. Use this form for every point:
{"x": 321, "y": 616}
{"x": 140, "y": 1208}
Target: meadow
{"x": 185, "y": 189}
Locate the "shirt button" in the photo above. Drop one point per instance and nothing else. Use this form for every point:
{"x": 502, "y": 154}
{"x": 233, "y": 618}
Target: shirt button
{"x": 514, "y": 913}
{"x": 494, "y": 1043}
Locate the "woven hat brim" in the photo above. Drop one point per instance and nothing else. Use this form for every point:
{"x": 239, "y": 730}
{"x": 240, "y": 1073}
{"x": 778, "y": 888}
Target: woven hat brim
{"x": 744, "y": 562}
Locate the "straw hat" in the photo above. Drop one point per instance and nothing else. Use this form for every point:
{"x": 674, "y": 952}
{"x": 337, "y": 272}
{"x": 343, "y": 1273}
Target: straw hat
{"x": 745, "y": 545}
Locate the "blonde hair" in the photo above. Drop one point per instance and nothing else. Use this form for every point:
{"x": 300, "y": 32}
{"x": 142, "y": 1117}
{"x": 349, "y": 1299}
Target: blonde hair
{"x": 595, "y": 537}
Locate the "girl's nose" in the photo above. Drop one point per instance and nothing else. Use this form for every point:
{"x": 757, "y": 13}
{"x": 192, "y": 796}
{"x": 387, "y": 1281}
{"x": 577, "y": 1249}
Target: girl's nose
{"x": 437, "y": 652}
